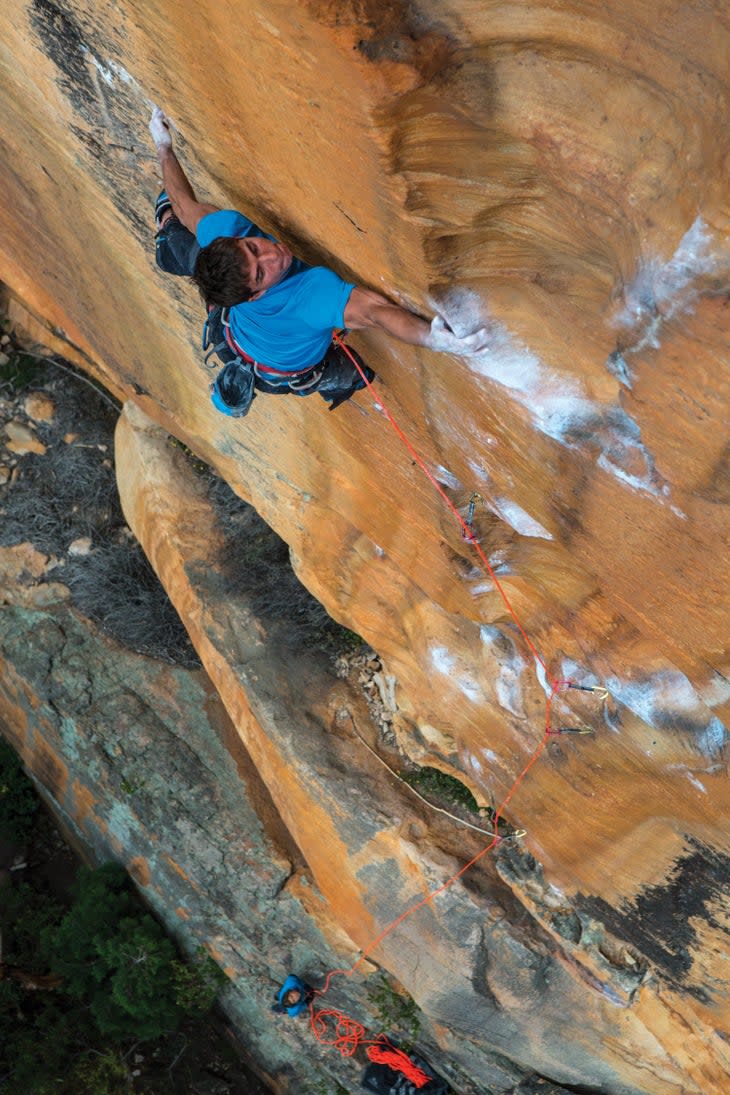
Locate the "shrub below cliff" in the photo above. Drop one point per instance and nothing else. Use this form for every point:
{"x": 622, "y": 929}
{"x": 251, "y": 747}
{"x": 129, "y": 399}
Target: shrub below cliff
{"x": 114, "y": 978}
{"x": 111, "y": 954}
{"x": 18, "y": 801}
{"x": 94, "y": 998}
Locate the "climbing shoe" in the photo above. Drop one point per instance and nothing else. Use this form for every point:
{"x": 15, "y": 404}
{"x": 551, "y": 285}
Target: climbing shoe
{"x": 162, "y": 205}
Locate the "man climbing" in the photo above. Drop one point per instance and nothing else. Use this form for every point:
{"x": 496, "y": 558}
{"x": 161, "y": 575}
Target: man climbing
{"x": 278, "y": 313}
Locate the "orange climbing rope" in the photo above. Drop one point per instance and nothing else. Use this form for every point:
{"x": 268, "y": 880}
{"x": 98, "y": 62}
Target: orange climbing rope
{"x": 330, "y": 1026}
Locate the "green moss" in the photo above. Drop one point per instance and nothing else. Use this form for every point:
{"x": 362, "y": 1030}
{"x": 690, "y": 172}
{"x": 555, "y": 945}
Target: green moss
{"x": 396, "y": 1011}
{"x": 199, "y": 466}
{"x": 20, "y": 370}
{"x": 432, "y": 781}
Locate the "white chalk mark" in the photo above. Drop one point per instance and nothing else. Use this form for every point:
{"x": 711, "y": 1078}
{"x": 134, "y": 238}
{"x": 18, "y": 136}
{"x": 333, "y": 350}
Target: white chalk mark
{"x": 447, "y": 664}
{"x": 558, "y": 404}
{"x": 519, "y": 519}
{"x": 662, "y": 290}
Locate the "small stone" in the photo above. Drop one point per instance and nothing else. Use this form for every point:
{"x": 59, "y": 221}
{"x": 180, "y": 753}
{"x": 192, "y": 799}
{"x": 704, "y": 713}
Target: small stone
{"x": 40, "y": 407}
{"x": 4, "y": 474}
{"x": 4, "y": 340}
{"x": 82, "y": 546}
{"x": 21, "y": 559}
{"x": 69, "y": 438}
{"x": 22, "y": 439}
{"x": 4, "y": 359}
{"x": 35, "y": 597}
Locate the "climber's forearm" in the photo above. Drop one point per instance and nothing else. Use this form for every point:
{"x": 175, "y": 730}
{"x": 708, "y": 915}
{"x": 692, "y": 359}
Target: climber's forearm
{"x": 179, "y": 191}
{"x": 174, "y": 178}
{"x": 366, "y": 308}
{"x": 185, "y": 205}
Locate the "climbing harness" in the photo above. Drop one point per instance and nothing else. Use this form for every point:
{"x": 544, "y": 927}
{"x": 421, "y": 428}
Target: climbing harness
{"x": 234, "y": 389}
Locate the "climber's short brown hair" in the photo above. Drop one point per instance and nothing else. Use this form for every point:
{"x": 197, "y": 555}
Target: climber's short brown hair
{"x": 220, "y": 273}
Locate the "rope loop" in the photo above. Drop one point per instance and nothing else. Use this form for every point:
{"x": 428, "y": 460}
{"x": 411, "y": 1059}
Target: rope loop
{"x": 399, "y": 1061}
{"x": 347, "y": 1034}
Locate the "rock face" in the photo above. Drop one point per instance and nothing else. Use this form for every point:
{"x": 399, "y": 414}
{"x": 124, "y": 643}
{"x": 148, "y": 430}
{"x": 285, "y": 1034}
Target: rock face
{"x": 140, "y": 763}
{"x": 562, "y": 173}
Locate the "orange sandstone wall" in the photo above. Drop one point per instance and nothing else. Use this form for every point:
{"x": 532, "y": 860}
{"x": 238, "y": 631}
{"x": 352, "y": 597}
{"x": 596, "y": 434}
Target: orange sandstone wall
{"x": 559, "y": 170}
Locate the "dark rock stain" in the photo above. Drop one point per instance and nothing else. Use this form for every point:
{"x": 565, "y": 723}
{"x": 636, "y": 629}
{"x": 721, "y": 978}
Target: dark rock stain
{"x": 110, "y": 115}
{"x": 480, "y": 974}
{"x": 717, "y": 488}
{"x": 617, "y": 366}
{"x": 63, "y": 44}
{"x": 661, "y": 921}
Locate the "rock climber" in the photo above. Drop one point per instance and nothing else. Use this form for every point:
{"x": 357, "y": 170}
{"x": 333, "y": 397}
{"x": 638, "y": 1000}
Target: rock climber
{"x": 293, "y": 997}
{"x": 279, "y": 313}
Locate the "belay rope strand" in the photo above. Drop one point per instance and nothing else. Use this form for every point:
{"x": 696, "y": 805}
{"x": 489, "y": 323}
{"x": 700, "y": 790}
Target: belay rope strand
{"x": 330, "y": 1026}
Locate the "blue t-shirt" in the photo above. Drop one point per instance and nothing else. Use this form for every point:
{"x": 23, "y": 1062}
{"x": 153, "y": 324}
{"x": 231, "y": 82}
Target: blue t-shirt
{"x": 289, "y": 327}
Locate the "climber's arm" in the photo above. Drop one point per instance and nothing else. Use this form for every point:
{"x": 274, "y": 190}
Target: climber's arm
{"x": 185, "y": 205}
{"x": 366, "y": 308}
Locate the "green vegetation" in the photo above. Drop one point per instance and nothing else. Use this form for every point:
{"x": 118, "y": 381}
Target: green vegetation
{"x": 18, "y": 800}
{"x": 20, "y": 370}
{"x": 396, "y": 1011}
{"x": 432, "y": 781}
{"x": 321, "y": 1087}
{"x": 100, "y": 1074}
{"x": 85, "y": 981}
{"x": 116, "y": 958}
{"x": 199, "y": 466}
{"x": 350, "y": 641}
{"x": 197, "y": 983}
{"x": 131, "y": 787}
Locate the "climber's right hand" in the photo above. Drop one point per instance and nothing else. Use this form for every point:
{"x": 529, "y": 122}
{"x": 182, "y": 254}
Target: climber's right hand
{"x": 160, "y": 129}
{"x": 443, "y": 339}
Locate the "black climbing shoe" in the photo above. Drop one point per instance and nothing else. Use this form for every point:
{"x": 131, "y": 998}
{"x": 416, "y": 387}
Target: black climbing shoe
{"x": 162, "y": 204}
